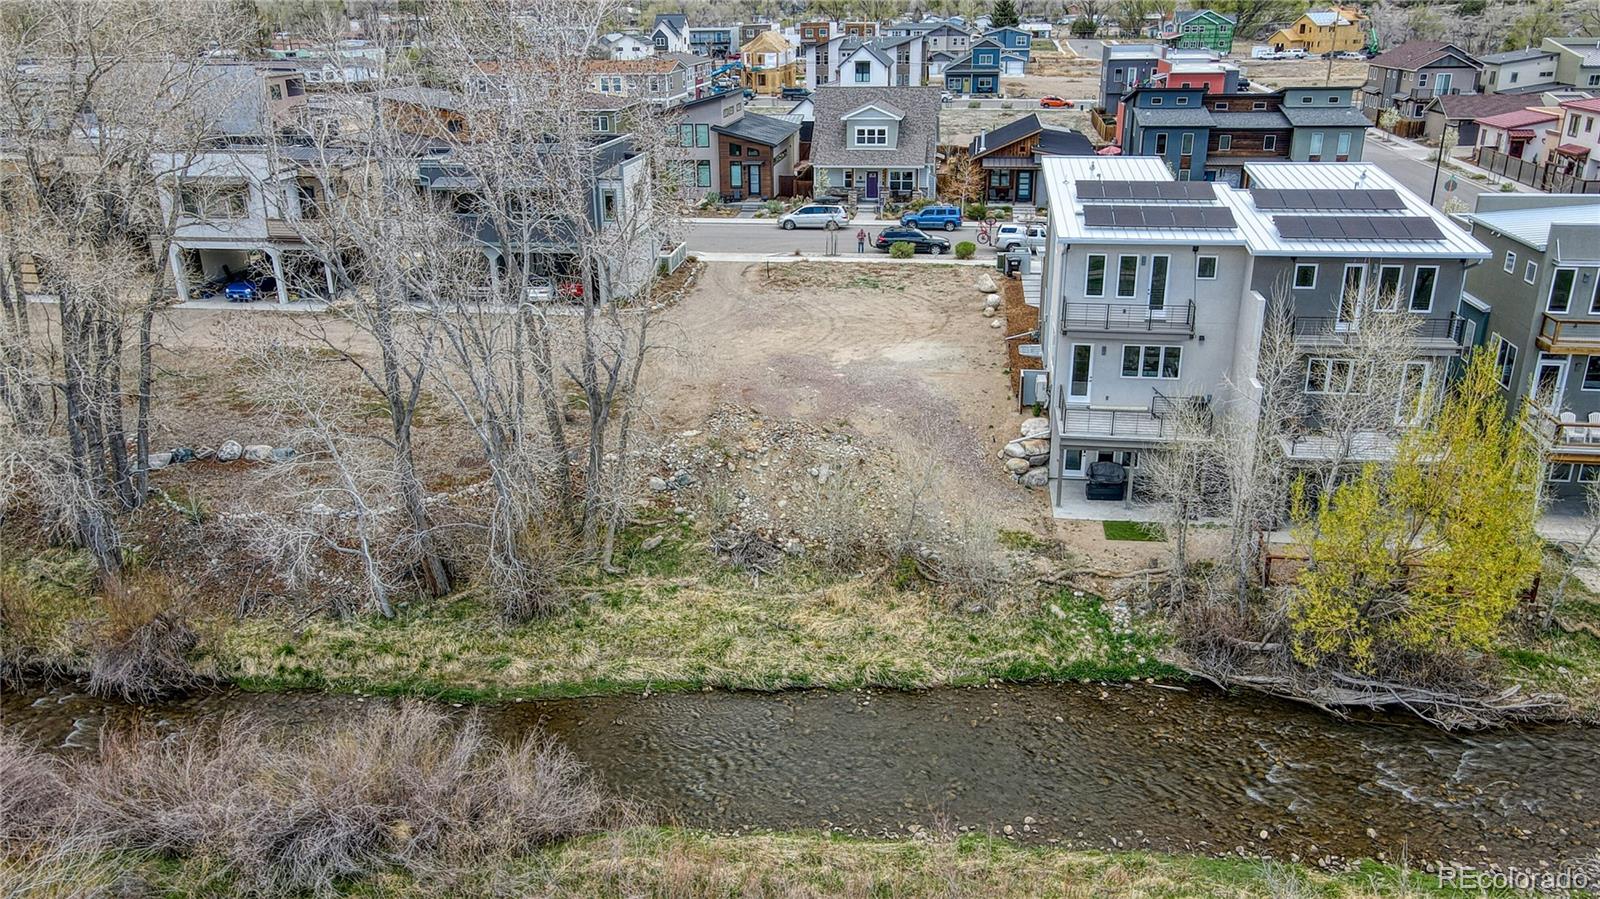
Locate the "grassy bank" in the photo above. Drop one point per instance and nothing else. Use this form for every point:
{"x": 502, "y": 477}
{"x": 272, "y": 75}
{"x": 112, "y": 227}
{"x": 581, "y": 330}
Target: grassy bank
{"x": 678, "y": 620}
{"x": 648, "y": 861}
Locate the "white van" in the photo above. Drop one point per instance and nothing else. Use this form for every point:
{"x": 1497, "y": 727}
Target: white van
{"x": 1263, "y": 53}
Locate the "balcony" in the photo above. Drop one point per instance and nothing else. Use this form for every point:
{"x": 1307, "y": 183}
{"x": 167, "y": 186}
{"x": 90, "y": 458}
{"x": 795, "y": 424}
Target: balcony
{"x": 1563, "y": 437}
{"x": 1128, "y": 318}
{"x": 1569, "y": 336}
{"x": 1327, "y": 331}
{"x": 1151, "y": 424}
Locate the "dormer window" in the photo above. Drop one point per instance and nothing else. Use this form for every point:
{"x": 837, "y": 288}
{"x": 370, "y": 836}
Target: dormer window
{"x": 1183, "y": 101}
{"x": 1155, "y": 101}
{"x": 872, "y": 136}
{"x": 1258, "y": 105}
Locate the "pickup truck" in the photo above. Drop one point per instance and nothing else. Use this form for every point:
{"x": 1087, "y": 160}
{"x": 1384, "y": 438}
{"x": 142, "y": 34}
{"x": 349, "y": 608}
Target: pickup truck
{"x": 1015, "y": 235}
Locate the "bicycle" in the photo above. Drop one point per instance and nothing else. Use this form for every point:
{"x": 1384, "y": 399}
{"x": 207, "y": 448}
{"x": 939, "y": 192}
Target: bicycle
{"x": 986, "y": 231}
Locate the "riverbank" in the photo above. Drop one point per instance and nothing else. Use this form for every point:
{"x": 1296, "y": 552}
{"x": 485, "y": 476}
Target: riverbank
{"x": 650, "y": 861}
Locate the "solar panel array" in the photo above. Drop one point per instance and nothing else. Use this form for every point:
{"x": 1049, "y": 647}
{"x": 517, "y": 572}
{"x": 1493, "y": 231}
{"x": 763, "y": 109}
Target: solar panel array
{"x": 1201, "y": 217}
{"x": 1344, "y": 227}
{"x": 1146, "y": 190}
{"x": 1356, "y": 200}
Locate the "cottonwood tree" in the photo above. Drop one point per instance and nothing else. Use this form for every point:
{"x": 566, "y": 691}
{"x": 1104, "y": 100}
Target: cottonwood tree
{"x": 88, "y": 95}
{"x": 1183, "y": 478}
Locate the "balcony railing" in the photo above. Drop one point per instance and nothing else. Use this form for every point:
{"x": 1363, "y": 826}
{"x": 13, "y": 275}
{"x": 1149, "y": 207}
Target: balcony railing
{"x": 1430, "y": 331}
{"x": 1176, "y": 318}
{"x": 1563, "y": 335}
{"x": 1155, "y": 422}
{"x": 1562, "y": 434}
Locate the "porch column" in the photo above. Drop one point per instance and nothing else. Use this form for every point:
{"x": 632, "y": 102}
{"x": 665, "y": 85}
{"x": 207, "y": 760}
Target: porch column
{"x": 180, "y": 278}
{"x": 277, "y": 273}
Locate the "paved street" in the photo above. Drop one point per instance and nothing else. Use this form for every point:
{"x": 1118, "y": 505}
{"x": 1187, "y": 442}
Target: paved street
{"x": 1413, "y": 168}
{"x": 765, "y": 237}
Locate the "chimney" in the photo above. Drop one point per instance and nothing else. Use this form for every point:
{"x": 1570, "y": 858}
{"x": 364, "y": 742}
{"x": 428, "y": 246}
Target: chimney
{"x": 983, "y": 137}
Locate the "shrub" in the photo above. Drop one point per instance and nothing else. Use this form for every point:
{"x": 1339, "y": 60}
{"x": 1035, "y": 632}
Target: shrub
{"x": 142, "y": 653}
{"x": 965, "y": 249}
{"x": 920, "y": 203}
{"x": 1006, "y": 104}
{"x": 977, "y": 211}
{"x": 772, "y": 207}
{"x": 902, "y": 250}
{"x": 973, "y": 104}
{"x": 32, "y": 794}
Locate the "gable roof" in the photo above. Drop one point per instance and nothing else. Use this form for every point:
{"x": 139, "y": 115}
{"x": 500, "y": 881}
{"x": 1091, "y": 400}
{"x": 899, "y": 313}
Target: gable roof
{"x": 870, "y": 50}
{"x": 1590, "y": 105}
{"x": 1413, "y": 55}
{"x": 1324, "y": 18}
{"x": 761, "y": 129}
{"x": 1324, "y": 116}
{"x": 1520, "y": 118}
{"x": 768, "y": 41}
{"x": 885, "y": 108}
{"x": 677, "y": 23}
{"x": 1477, "y": 106}
{"x": 918, "y": 138}
{"x": 1005, "y": 135}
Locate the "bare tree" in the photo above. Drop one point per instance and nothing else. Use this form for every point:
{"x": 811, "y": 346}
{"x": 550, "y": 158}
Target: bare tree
{"x": 1184, "y": 478}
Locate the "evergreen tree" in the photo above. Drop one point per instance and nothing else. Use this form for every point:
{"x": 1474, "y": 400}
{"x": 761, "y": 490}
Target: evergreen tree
{"x": 1004, "y": 14}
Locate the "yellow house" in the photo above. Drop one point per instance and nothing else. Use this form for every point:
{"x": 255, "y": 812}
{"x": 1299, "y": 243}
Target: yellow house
{"x": 1338, "y": 29}
{"x": 770, "y": 63}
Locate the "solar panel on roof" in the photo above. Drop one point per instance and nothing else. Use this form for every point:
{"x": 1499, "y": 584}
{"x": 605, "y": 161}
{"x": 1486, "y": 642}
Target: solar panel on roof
{"x": 1327, "y": 199}
{"x": 1352, "y": 227}
{"x": 1097, "y": 216}
{"x": 1119, "y": 216}
{"x": 1091, "y": 190}
{"x": 1292, "y": 227}
{"x": 1145, "y": 190}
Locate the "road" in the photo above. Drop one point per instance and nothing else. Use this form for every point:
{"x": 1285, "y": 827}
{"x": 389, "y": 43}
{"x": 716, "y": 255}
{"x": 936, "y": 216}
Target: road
{"x": 1413, "y": 168}
{"x": 764, "y": 236}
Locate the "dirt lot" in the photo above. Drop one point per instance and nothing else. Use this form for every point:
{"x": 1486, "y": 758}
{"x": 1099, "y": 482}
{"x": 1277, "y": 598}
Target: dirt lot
{"x": 900, "y": 355}
{"x": 1276, "y": 73}
{"x": 1060, "y": 73}
{"x": 959, "y": 125}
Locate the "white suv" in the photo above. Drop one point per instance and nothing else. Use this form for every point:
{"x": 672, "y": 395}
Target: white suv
{"x": 1016, "y": 235}
{"x": 815, "y": 215}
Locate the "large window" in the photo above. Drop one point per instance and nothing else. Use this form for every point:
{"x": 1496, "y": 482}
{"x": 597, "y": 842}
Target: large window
{"x": 1423, "y": 284}
{"x": 1388, "y": 298}
{"x": 215, "y": 201}
{"x": 1127, "y": 277}
{"x": 1186, "y": 144}
{"x": 863, "y": 72}
{"x": 1316, "y": 145}
{"x": 702, "y": 135}
{"x": 1224, "y": 143}
{"x": 1094, "y": 278}
{"x": 872, "y": 137}
{"x": 1530, "y": 273}
{"x": 702, "y": 173}
{"x": 1505, "y": 357}
{"x": 1591, "y": 373}
{"x": 685, "y": 133}
{"x": 1324, "y": 375}
{"x": 1161, "y": 144}
{"x": 1561, "y": 290}
{"x": 901, "y": 181}
{"x": 1158, "y": 281}
{"x": 1161, "y": 362}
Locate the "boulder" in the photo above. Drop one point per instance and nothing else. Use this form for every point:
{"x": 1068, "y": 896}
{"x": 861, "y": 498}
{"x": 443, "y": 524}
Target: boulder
{"x": 986, "y": 283}
{"x": 257, "y": 452}
{"x": 992, "y": 300}
{"x": 1017, "y": 466}
{"x": 159, "y": 461}
{"x": 1036, "y": 427}
{"x": 183, "y": 454}
{"x": 1014, "y": 450}
{"x": 995, "y": 323}
{"x": 1033, "y": 446}
{"x": 988, "y": 312}
{"x": 1035, "y": 478}
{"x": 229, "y": 451}
{"x": 283, "y": 454}
{"x": 658, "y": 484}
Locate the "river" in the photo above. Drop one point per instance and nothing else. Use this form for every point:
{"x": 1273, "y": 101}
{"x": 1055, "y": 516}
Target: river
{"x": 1114, "y": 767}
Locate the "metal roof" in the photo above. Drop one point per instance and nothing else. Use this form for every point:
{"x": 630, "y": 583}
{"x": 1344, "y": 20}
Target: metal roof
{"x": 1062, "y": 175}
{"x": 1345, "y": 116}
{"x": 764, "y": 129}
{"x": 1515, "y": 56}
{"x": 1532, "y": 226}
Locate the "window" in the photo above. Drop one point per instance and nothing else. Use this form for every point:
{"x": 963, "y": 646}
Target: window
{"x": 735, "y": 150}
{"x": 1343, "y": 147}
{"x": 1559, "y": 471}
{"x": 752, "y": 151}
{"x": 1156, "y": 101}
{"x": 1258, "y": 105}
{"x": 1158, "y": 281}
{"x": 702, "y": 135}
{"x": 1161, "y": 362}
{"x": 275, "y": 91}
{"x": 1186, "y": 144}
{"x": 1388, "y": 298}
{"x": 1561, "y": 290}
{"x": 1305, "y": 276}
{"x": 1325, "y": 375}
{"x": 1530, "y": 273}
{"x": 608, "y": 204}
{"x": 1588, "y": 473}
{"x": 1183, "y": 101}
{"x": 1269, "y": 142}
{"x": 1591, "y": 373}
{"x": 1094, "y": 279}
{"x": 685, "y": 132}
{"x": 872, "y": 137}
{"x": 1224, "y": 142}
{"x": 1422, "y": 287}
{"x": 901, "y": 181}
{"x": 1422, "y": 79}
{"x": 863, "y": 72}
{"x": 1511, "y": 263}
{"x": 1205, "y": 268}
{"x": 1333, "y": 101}
{"x": 1316, "y": 145}
{"x": 1161, "y": 144}
{"x": 1306, "y": 99}
{"x": 735, "y": 183}
{"x": 1505, "y": 356}
{"x": 1127, "y": 276}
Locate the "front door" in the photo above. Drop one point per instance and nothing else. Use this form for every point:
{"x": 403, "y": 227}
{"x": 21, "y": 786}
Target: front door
{"x": 1078, "y": 384}
{"x": 872, "y": 185}
{"x": 1024, "y": 187}
{"x": 752, "y": 174}
{"x": 1550, "y": 382}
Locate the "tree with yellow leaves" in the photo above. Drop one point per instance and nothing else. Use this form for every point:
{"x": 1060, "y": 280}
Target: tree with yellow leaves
{"x": 1430, "y": 556}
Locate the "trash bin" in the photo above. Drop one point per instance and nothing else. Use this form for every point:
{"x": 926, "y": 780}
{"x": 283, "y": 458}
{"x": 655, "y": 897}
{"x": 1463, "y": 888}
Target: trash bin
{"x": 1010, "y": 263}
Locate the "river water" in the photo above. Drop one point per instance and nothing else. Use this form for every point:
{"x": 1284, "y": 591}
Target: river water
{"x": 1117, "y": 766}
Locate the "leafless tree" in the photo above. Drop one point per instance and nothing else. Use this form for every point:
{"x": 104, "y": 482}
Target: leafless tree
{"x": 1183, "y": 477}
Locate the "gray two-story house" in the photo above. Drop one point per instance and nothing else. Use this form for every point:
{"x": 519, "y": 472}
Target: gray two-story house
{"x": 1406, "y": 77}
{"x": 1536, "y": 306}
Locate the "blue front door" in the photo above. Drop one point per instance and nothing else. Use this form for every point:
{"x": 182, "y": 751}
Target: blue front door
{"x": 872, "y": 185}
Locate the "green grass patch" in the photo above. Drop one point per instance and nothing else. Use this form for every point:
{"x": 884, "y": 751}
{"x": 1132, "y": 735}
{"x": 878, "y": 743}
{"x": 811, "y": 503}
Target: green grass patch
{"x": 1133, "y": 530}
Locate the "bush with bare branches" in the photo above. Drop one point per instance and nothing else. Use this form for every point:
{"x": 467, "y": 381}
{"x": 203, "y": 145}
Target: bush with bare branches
{"x": 142, "y": 651}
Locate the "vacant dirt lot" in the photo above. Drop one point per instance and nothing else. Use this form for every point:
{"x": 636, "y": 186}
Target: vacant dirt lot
{"x": 959, "y": 124}
{"x": 897, "y": 354}
{"x": 1060, "y": 73}
{"x": 1276, "y": 73}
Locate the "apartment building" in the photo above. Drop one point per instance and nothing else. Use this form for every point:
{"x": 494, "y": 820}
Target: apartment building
{"x": 1154, "y": 293}
{"x": 1536, "y": 305}
{"x": 1406, "y": 77}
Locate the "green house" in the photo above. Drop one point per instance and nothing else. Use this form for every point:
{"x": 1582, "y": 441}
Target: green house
{"x": 1200, "y": 28}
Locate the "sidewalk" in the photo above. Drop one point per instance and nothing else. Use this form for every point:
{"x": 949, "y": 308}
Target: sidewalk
{"x": 845, "y": 258}
{"x": 773, "y": 222}
{"x": 1424, "y": 154}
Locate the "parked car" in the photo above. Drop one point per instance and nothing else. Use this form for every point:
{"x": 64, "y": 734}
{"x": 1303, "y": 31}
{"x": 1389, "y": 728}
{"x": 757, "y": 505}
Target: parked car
{"x": 1263, "y": 53}
{"x": 794, "y": 93}
{"x": 1349, "y": 55}
{"x": 1012, "y": 235}
{"x": 1291, "y": 53}
{"x": 947, "y": 218}
{"x": 946, "y": 97}
{"x": 248, "y": 290}
{"x": 1054, "y": 103}
{"x": 920, "y": 240}
{"x": 815, "y": 215}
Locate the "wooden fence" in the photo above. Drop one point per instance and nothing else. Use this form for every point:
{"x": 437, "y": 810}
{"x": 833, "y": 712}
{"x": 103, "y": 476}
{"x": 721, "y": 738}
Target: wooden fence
{"x": 1104, "y": 124}
{"x": 1536, "y": 175}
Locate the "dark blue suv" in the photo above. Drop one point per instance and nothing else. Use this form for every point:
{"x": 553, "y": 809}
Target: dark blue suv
{"x": 933, "y": 218}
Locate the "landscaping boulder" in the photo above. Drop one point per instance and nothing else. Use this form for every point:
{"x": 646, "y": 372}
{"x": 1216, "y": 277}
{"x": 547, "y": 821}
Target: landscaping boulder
{"x": 988, "y": 312}
{"x": 658, "y": 484}
{"x": 229, "y": 451}
{"x": 986, "y": 283}
{"x": 1014, "y": 450}
{"x": 1035, "y": 446}
{"x": 992, "y": 301}
{"x": 257, "y": 452}
{"x": 1035, "y": 478}
{"x": 994, "y": 323}
{"x": 283, "y": 454}
{"x": 1036, "y": 427}
{"x": 183, "y": 454}
{"x": 1017, "y": 466}
{"x": 159, "y": 461}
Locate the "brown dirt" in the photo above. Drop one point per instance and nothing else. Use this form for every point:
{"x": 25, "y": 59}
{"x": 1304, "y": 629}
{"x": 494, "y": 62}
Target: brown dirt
{"x": 1019, "y": 317}
{"x": 896, "y": 354}
{"x": 959, "y": 125}
{"x": 1277, "y": 73}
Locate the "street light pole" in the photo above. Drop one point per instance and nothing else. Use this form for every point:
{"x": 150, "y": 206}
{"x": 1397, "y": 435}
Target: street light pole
{"x": 1438, "y": 162}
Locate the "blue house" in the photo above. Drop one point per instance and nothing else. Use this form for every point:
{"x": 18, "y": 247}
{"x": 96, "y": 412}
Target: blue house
{"x": 1014, "y": 41}
{"x": 1171, "y": 123}
{"x": 978, "y": 73}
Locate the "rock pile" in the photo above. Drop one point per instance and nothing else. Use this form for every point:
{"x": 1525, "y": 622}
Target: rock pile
{"x": 991, "y": 299}
{"x": 1027, "y": 458}
{"x": 229, "y": 451}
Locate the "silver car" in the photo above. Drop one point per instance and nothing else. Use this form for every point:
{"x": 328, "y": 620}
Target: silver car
{"x": 815, "y": 215}
{"x": 1016, "y": 235}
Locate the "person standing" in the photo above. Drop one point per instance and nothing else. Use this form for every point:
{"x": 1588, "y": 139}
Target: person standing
{"x": 861, "y": 241}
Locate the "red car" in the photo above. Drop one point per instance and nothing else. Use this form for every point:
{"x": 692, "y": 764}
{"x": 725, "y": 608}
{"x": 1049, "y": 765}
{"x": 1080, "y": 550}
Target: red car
{"x": 1054, "y": 103}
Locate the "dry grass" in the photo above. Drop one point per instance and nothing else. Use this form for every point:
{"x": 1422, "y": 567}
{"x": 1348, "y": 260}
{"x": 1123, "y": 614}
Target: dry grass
{"x": 141, "y": 652}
